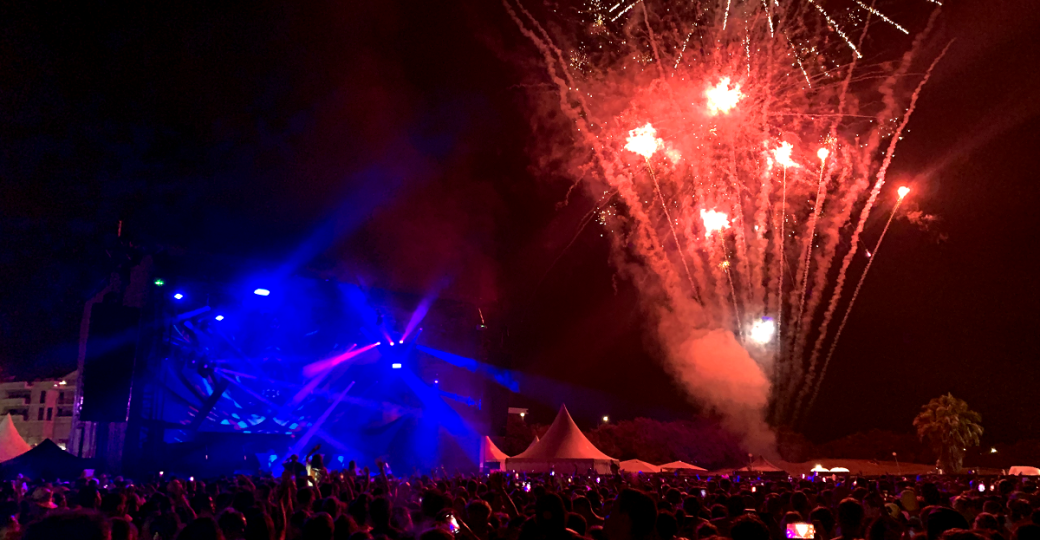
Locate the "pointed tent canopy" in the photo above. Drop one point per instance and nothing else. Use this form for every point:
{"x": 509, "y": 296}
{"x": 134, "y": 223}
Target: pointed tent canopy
{"x": 760, "y": 465}
{"x": 534, "y": 442}
{"x": 489, "y": 453}
{"x": 563, "y": 447}
{"x": 680, "y": 466}
{"x": 47, "y": 460}
{"x": 639, "y": 466}
{"x": 12, "y": 444}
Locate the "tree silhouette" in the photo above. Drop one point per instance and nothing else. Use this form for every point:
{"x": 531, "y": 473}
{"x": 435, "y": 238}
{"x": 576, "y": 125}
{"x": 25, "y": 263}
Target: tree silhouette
{"x": 950, "y": 428}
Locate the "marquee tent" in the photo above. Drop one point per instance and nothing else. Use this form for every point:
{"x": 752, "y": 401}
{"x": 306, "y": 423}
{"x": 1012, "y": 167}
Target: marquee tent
{"x": 1024, "y": 471}
{"x": 680, "y": 466}
{"x": 638, "y": 466}
{"x": 47, "y": 460}
{"x": 758, "y": 466}
{"x": 12, "y": 444}
{"x": 490, "y": 455}
{"x": 563, "y": 448}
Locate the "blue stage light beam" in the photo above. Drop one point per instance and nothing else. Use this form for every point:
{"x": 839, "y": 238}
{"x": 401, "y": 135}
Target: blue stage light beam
{"x": 434, "y": 406}
{"x": 418, "y": 315}
{"x": 314, "y": 368}
{"x": 262, "y": 292}
{"x": 372, "y": 188}
{"x": 306, "y": 439}
{"x": 308, "y": 388}
{"x": 501, "y": 376}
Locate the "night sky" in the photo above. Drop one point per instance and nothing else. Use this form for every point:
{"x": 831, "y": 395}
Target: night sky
{"x": 392, "y": 142}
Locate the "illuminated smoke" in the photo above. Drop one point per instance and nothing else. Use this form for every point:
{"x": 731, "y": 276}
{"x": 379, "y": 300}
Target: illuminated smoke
{"x": 660, "y": 84}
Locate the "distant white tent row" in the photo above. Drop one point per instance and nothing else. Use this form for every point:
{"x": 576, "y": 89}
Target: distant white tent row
{"x": 681, "y": 466}
{"x": 1021, "y": 470}
{"x": 638, "y": 466}
{"x": 564, "y": 448}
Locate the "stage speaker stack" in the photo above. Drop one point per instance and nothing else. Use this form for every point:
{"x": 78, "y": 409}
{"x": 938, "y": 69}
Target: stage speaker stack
{"x": 108, "y": 369}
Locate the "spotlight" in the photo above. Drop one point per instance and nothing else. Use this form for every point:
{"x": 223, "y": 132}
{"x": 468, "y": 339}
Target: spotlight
{"x": 606, "y": 419}
{"x": 401, "y": 341}
{"x": 159, "y": 282}
{"x": 178, "y": 296}
{"x": 219, "y": 317}
{"x": 261, "y": 292}
{"x": 396, "y": 365}
{"x": 436, "y": 381}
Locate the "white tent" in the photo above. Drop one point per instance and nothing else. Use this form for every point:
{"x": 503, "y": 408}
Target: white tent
{"x": 638, "y": 466}
{"x": 534, "y": 442}
{"x": 680, "y": 466}
{"x": 563, "y": 448}
{"x": 490, "y": 455}
{"x": 1017, "y": 470}
{"x": 11, "y": 443}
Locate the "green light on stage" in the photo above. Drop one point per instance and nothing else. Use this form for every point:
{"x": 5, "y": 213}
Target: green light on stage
{"x": 159, "y": 282}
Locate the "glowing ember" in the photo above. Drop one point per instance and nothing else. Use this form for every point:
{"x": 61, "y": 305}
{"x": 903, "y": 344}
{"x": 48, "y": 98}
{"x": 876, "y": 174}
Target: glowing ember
{"x": 903, "y": 191}
{"x": 782, "y": 155}
{"x": 763, "y": 330}
{"x": 714, "y": 221}
{"x": 722, "y": 98}
{"x": 822, "y": 153}
{"x": 643, "y": 141}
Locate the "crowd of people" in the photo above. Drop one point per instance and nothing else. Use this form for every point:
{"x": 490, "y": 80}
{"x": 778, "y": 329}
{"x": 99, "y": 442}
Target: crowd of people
{"x": 312, "y": 503}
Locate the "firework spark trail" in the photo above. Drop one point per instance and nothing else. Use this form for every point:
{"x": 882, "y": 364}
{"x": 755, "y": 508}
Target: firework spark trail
{"x": 683, "y": 51}
{"x": 760, "y": 272}
{"x": 585, "y": 220}
{"x": 824, "y": 262}
{"x": 653, "y": 42}
{"x": 797, "y": 59}
{"x": 622, "y": 12}
{"x": 769, "y": 17}
{"x": 719, "y": 269}
{"x": 888, "y": 98}
{"x": 852, "y": 302}
{"x": 700, "y": 271}
{"x": 826, "y": 257}
{"x": 671, "y": 227}
{"x": 716, "y": 159}
{"x": 882, "y": 16}
{"x": 837, "y": 29}
{"x": 624, "y": 185}
{"x": 864, "y": 214}
{"x": 781, "y": 243}
{"x": 806, "y": 257}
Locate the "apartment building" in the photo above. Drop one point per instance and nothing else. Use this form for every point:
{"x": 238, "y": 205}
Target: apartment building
{"x": 40, "y": 409}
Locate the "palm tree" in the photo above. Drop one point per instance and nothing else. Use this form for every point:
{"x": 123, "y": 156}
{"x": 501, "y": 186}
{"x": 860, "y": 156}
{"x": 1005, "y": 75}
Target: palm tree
{"x": 949, "y": 427}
